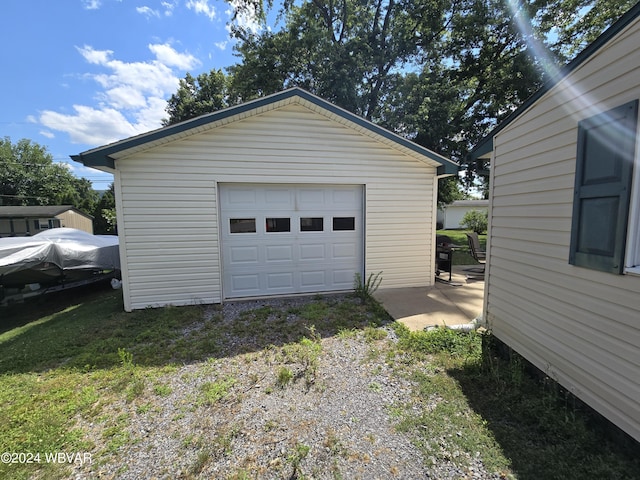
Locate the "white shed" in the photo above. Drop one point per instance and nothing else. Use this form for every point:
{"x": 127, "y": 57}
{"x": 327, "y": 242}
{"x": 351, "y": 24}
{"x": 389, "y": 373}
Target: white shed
{"x": 286, "y": 194}
{"x": 563, "y": 275}
{"x": 454, "y": 212}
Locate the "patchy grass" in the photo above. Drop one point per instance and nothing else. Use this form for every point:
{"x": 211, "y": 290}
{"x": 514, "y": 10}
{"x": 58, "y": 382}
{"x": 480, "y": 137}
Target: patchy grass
{"x": 459, "y": 237}
{"x": 471, "y": 403}
{"x": 61, "y": 362}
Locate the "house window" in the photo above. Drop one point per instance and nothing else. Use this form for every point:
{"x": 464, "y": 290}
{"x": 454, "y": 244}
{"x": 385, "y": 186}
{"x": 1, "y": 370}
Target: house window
{"x": 344, "y": 223}
{"x": 604, "y": 173}
{"x": 312, "y": 224}
{"x": 278, "y": 225}
{"x": 242, "y": 225}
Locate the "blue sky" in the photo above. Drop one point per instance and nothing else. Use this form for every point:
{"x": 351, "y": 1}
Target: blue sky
{"x": 77, "y": 74}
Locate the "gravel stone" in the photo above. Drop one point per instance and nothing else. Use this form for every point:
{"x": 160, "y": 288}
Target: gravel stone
{"x": 336, "y": 425}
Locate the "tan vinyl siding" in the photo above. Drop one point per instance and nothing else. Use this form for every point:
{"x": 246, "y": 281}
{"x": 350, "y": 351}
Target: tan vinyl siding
{"x": 170, "y": 212}
{"x": 580, "y": 326}
{"x": 76, "y": 220}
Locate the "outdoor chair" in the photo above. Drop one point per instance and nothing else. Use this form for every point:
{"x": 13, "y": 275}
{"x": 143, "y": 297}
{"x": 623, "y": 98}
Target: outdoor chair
{"x": 478, "y": 255}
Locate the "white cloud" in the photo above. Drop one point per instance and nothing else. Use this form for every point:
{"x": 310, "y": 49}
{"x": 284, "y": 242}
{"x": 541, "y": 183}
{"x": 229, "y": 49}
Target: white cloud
{"x": 202, "y": 7}
{"x": 132, "y": 96}
{"x": 89, "y": 125}
{"x": 246, "y": 16}
{"x": 168, "y": 7}
{"x": 222, "y": 45}
{"x": 148, "y": 12}
{"x": 169, "y": 57}
{"x": 92, "y": 4}
{"x": 46, "y": 133}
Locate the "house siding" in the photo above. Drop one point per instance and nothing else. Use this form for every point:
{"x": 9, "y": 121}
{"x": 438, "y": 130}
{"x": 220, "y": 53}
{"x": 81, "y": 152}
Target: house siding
{"x": 76, "y": 220}
{"x": 168, "y": 213}
{"x": 579, "y": 326}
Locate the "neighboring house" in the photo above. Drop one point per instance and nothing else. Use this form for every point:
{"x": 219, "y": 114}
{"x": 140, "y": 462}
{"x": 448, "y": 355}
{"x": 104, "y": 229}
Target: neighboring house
{"x": 22, "y": 221}
{"x": 285, "y": 194}
{"x": 453, "y": 213}
{"x": 563, "y": 275}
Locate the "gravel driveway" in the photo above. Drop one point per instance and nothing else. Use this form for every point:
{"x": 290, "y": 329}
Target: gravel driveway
{"x": 240, "y": 416}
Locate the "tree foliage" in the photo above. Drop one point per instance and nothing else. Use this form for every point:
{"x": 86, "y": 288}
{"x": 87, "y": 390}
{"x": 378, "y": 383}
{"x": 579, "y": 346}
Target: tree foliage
{"x": 105, "y": 213}
{"x": 196, "y": 96}
{"x": 439, "y": 72}
{"x": 29, "y": 176}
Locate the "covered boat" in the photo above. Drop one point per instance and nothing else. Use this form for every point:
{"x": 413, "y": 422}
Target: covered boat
{"x": 57, "y": 257}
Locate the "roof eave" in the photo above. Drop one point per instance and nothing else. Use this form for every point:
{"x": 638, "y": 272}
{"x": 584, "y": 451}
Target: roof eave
{"x": 104, "y": 157}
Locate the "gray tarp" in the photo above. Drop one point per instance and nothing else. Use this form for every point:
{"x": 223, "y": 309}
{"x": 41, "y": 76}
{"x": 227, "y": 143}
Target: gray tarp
{"x": 66, "y": 248}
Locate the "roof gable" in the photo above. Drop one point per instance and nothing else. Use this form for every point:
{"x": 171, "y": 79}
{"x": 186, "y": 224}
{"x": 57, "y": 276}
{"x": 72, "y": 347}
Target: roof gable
{"x": 106, "y": 156}
{"x": 485, "y": 146}
{"x": 37, "y": 210}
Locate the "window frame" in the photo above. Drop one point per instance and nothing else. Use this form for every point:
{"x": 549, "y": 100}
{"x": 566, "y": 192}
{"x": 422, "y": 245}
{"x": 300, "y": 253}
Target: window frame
{"x": 255, "y": 226}
{"x": 632, "y": 255}
{"x": 595, "y": 185}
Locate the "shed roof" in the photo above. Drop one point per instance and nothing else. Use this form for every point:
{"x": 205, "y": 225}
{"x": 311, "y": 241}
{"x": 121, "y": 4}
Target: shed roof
{"x": 104, "y": 157}
{"x": 37, "y": 211}
{"x": 485, "y": 146}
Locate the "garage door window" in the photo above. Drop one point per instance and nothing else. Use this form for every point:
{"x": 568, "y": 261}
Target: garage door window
{"x": 275, "y": 225}
{"x": 344, "y": 224}
{"x": 242, "y": 225}
{"x": 312, "y": 224}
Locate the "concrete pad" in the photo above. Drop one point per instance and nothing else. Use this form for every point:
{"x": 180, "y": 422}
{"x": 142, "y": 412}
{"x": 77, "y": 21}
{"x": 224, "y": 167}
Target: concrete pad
{"x": 446, "y": 303}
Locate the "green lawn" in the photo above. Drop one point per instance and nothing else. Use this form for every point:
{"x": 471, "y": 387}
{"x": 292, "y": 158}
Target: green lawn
{"x": 61, "y": 360}
{"x": 459, "y": 237}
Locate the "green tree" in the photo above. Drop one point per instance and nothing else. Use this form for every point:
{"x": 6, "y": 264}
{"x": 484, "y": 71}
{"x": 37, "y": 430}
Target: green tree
{"x": 199, "y": 95}
{"x": 476, "y": 221}
{"x": 442, "y": 73}
{"x": 104, "y": 213}
{"x": 29, "y": 176}
{"x": 348, "y": 52}
{"x": 576, "y": 23}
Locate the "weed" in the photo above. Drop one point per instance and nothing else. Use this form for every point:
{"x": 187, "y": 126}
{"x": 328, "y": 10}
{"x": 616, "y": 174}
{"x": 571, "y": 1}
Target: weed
{"x": 306, "y": 352}
{"x": 284, "y": 376}
{"x": 375, "y": 387}
{"x": 135, "y": 389}
{"x": 201, "y": 461}
{"x": 212, "y": 392}
{"x": 126, "y": 359}
{"x": 364, "y": 290}
{"x": 162, "y": 390}
{"x": 333, "y": 444}
{"x": 295, "y": 457}
{"x": 372, "y": 334}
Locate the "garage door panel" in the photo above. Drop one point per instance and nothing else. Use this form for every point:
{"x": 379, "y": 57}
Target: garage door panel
{"x": 313, "y": 253}
{"x": 279, "y": 280}
{"x": 313, "y": 279}
{"x": 279, "y": 253}
{"x": 311, "y": 198}
{"x": 248, "y": 283}
{"x": 241, "y": 196}
{"x": 280, "y": 239}
{"x": 280, "y": 198}
{"x": 244, "y": 254}
{"x": 344, "y": 278}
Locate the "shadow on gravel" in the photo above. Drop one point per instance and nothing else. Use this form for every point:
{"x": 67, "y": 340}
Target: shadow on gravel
{"x": 545, "y": 431}
{"x": 88, "y": 329}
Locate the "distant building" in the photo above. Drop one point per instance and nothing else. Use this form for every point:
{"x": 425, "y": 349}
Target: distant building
{"x": 24, "y": 221}
{"x": 453, "y": 213}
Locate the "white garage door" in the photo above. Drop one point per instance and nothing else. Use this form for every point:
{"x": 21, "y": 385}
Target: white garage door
{"x": 281, "y": 239}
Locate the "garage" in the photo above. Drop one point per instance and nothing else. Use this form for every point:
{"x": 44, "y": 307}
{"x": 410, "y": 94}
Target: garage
{"x": 284, "y": 239}
{"x": 284, "y": 194}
